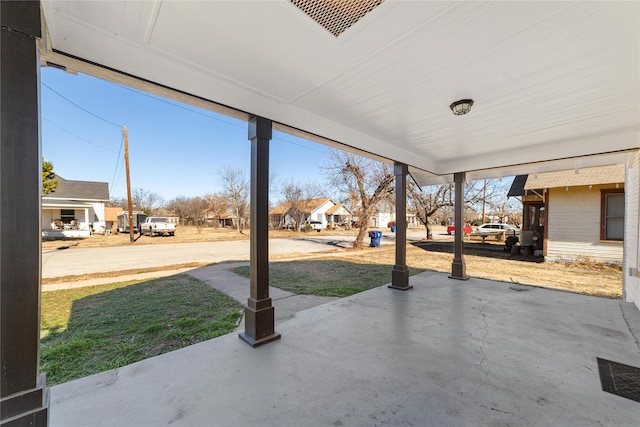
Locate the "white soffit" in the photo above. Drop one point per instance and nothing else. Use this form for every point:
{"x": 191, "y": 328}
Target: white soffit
{"x": 574, "y": 164}
{"x": 550, "y": 80}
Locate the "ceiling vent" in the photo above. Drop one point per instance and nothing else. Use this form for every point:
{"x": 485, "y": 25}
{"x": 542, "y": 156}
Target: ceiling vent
{"x": 336, "y": 15}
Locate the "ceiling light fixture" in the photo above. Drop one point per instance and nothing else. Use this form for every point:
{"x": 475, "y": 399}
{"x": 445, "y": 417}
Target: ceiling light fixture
{"x": 461, "y": 107}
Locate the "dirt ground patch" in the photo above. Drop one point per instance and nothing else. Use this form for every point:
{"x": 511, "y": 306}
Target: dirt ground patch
{"x": 489, "y": 261}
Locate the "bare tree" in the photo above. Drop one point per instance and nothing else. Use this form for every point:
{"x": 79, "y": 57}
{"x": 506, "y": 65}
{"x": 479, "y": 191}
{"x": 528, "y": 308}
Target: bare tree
{"x": 366, "y": 181}
{"x": 146, "y": 201}
{"x": 426, "y": 202}
{"x": 191, "y": 210}
{"x": 236, "y": 189}
{"x": 296, "y": 199}
{"x": 118, "y": 202}
{"x": 180, "y": 206}
{"x": 435, "y": 199}
{"x": 217, "y": 206}
{"x": 509, "y": 210}
{"x": 488, "y": 197}
{"x": 197, "y": 211}
{"x": 293, "y": 198}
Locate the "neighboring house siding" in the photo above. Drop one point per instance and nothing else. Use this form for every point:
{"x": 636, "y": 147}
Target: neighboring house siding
{"x": 631, "y": 266}
{"x": 319, "y": 213}
{"x": 574, "y": 227}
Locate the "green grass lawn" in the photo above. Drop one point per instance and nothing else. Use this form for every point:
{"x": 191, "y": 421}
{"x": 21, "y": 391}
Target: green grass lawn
{"x": 93, "y": 329}
{"x": 327, "y": 277}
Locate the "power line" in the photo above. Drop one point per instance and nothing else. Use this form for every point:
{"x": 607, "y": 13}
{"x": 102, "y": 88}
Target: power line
{"x": 78, "y": 106}
{"x": 299, "y": 145}
{"x": 222, "y": 120}
{"x": 78, "y": 136}
{"x": 179, "y": 105}
{"x": 113, "y": 180}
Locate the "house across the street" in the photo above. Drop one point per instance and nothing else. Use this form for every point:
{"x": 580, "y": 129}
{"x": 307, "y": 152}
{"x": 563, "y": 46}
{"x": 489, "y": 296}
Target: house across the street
{"x": 325, "y": 210}
{"x": 74, "y": 208}
{"x": 574, "y": 214}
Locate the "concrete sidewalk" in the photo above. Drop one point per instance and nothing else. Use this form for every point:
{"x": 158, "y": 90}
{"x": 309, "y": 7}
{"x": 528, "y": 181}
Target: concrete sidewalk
{"x": 220, "y": 277}
{"x": 446, "y": 353}
{"x": 287, "y": 304}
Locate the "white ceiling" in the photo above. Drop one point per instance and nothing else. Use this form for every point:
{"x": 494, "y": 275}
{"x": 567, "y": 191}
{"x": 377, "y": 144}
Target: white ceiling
{"x": 550, "y": 80}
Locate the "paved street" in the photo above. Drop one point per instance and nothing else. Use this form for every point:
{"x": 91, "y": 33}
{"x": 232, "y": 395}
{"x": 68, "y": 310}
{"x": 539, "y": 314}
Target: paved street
{"x": 57, "y": 263}
{"x": 74, "y": 261}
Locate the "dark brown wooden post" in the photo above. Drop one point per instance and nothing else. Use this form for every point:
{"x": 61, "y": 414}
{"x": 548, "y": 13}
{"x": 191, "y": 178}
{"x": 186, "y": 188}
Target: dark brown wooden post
{"x": 458, "y": 267}
{"x": 400, "y": 273}
{"x": 259, "y": 313}
{"x": 24, "y": 399}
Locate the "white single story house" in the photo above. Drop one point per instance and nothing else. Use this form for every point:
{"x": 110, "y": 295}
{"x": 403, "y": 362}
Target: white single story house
{"x": 384, "y": 212}
{"x": 74, "y": 208}
{"x": 325, "y": 210}
{"x": 574, "y": 215}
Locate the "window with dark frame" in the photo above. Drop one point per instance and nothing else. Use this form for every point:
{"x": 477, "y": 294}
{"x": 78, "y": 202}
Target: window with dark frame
{"x": 67, "y": 215}
{"x": 612, "y": 215}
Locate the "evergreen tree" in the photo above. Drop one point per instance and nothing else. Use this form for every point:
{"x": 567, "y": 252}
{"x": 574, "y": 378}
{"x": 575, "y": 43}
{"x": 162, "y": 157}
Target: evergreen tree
{"x": 49, "y": 181}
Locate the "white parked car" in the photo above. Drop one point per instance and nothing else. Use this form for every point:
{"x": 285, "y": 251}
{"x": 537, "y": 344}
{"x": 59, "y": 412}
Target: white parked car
{"x": 315, "y": 225}
{"x": 491, "y": 229}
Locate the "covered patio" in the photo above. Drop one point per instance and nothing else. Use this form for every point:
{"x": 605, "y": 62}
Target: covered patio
{"x": 447, "y": 353}
{"x": 446, "y": 92}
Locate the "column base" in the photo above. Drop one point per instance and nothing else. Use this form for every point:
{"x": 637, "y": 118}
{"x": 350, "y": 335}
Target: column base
{"x": 27, "y": 408}
{"x": 257, "y": 343}
{"x": 458, "y": 270}
{"x": 400, "y": 278}
{"x": 259, "y": 323}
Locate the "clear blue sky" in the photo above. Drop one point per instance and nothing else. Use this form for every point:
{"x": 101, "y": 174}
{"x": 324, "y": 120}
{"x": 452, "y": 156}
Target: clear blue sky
{"x": 174, "y": 149}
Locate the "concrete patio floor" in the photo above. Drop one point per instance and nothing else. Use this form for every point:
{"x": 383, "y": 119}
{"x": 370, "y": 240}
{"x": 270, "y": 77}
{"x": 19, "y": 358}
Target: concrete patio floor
{"x": 446, "y": 353}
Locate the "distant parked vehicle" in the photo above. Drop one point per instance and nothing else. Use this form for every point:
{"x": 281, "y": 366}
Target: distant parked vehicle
{"x": 315, "y": 225}
{"x": 499, "y": 231}
{"x": 494, "y": 228}
{"x": 452, "y": 228}
{"x": 157, "y": 225}
{"x": 123, "y": 221}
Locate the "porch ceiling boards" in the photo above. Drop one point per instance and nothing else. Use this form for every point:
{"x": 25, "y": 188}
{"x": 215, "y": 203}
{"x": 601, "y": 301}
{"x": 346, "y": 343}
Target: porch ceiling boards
{"x": 551, "y": 81}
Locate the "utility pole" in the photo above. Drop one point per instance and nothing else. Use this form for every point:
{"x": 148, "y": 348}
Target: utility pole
{"x": 129, "y": 204}
{"x": 484, "y": 200}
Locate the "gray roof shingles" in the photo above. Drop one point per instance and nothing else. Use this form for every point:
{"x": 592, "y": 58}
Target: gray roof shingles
{"x": 80, "y": 190}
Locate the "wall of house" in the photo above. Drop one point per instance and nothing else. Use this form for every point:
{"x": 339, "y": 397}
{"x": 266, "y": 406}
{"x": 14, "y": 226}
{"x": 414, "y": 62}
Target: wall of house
{"x": 98, "y": 214}
{"x": 573, "y": 227}
{"x": 46, "y": 219}
{"x": 631, "y": 266}
{"x": 320, "y": 213}
{"x": 385, "y": 218}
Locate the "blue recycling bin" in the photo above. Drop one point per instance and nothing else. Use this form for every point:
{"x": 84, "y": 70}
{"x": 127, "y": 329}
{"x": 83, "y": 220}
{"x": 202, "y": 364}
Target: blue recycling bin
{"x": 393, "y": 228}
{"x": 375, "y": 238}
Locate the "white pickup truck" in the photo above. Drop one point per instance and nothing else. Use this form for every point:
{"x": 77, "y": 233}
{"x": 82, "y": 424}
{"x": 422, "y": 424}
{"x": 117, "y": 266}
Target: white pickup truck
{"x": 157, "y": 225}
